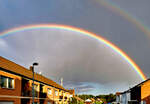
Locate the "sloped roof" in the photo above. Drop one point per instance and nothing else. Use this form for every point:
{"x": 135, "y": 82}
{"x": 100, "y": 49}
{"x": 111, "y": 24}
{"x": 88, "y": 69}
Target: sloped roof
{"x": 138, "y": 85}
{"x": 20, "y": 70}
{"x": 72, "y": 91}
{"x": 118, "y": 93}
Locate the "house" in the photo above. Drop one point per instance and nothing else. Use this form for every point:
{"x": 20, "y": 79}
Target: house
{"x": 123, "y": 97}
{"x": 135, "y": 95}
{"x": 16, "y": 86}
{"x": 141, "y": 92}
{"x": 88, "y": 101}
{"x": 118, "y": 97}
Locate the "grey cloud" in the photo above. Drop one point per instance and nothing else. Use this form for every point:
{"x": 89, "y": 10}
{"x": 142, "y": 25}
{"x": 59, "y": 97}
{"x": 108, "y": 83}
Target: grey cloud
{"x": 77, "y": 58}
{"x": 80, "y": 87}
{"x": 70, "y": 55}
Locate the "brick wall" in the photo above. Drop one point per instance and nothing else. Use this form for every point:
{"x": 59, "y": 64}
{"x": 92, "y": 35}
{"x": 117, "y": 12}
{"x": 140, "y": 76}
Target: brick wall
{"x": 9, "y": 92}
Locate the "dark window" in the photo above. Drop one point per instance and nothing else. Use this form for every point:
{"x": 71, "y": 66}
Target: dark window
{"x": 10, "y": 83}
{"x": 3, "y": 82}
{"x": 6, "y": 82}
{"x": 49, "y": 103}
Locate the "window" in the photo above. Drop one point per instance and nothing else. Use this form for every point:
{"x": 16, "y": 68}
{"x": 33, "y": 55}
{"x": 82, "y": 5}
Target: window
{"x": 35, "y": 87}
{"x": 35, "y": 90}
{"x": 10, "y": 83}
{"x": 3, "y": 82}
{"x": 68, "y": 95}
{"x": 6, "y": 82}
{"x": 6, "y": 102}
{"x": 49, "y": 103}
{"x": 55, "y": 103}
{"x": 56, "y": 92}
{"x": 49, "y": 91}
{"x": 143, "y": 102}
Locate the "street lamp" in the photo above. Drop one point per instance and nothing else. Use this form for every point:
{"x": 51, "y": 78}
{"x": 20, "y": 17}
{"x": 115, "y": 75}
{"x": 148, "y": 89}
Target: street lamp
{"x": 32, "y": 68}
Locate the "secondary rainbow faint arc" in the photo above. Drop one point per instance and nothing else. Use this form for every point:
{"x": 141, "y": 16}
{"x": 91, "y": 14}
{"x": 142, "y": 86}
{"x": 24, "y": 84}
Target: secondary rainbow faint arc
{"x": 84, "y": 32}
{"x": 115, "y": 8}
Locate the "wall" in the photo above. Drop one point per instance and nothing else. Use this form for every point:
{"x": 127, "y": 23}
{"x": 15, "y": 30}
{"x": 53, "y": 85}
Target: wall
{"x": 145, "y": 92}
{"x": 17, "y": 91}
{"x": 9, "y": 92}
{"x": 136, "y": 93}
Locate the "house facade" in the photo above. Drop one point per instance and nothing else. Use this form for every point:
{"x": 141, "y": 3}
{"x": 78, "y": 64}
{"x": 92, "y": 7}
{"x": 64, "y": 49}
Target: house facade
{"x": 123, "y": 97}
{"x": 16, "y": 86}
{"x": 145, "y": 92}
{"x": 139, "y": 94}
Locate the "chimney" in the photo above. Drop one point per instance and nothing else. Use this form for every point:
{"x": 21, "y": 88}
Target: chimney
{"x": 31, "y": 68}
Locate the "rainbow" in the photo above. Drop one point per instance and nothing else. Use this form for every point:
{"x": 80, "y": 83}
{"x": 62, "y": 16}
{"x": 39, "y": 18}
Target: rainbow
{"x": 84, "y": 32}
{"x": 116, "y": 9}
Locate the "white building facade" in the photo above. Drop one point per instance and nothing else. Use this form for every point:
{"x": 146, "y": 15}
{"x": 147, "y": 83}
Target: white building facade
{"x": 123, "y": 98}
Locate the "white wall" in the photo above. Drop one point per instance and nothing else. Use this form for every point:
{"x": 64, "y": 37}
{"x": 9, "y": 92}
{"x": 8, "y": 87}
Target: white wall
{"x": 123, "y": 98}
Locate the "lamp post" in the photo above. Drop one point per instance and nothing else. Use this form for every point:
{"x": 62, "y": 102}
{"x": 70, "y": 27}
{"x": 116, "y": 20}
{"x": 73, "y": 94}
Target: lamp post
{"x": 32, "y": 68}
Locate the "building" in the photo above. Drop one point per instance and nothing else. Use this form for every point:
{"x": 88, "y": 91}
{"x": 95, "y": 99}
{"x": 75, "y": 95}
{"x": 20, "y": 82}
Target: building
{"x": 123, "y": 97}
{"x": 139, "y": 94}
{"x": 88, "y": 101}
{"x": 16, "y": 86}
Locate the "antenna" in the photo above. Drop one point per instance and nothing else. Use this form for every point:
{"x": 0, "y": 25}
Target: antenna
{"x": 61, "y": 81}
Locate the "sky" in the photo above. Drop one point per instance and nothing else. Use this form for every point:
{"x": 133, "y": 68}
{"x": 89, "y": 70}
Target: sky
{"x": 84, "y": 63}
